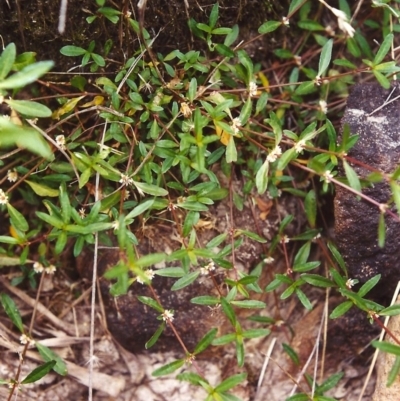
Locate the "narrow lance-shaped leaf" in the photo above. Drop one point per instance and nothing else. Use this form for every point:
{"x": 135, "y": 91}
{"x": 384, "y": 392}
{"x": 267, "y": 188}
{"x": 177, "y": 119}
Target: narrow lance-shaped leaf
{"x": 39, "y": 372}
{"x": 325, "y": 57}
{"x": 155, "y": 336}
{"x": 12, "y": 311}
{"x": 352, "y": 176}
{"x": 169, "y": 368}
{"x": 7, "y": 59}
{"x": 384, "y": 48}
{"x": 27, "y": 75}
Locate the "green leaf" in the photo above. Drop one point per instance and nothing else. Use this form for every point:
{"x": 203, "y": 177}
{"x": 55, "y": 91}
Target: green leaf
{"x": 369, "y": 285}
{"x": 205, "y": 341}
{"x": 155, "y": 336}
{"x": 338, "y": 257}
{"x": 140, "y": 209}
{"x": 170, "y": 272}
{"x": 305, "y": 88}
{"x": 341, "y": 309}
{"x": 381, "y": 231}
{"x": 394, "y": 372}
{"x": 12, "y": 311}
{"x": 325, "y": 57}
{"x": 192, "y": 89}
{"x": 269, "y": 26}
{"x": 383, "y": 49}
{"x": 262, "y": 178}
{"x": 12, "y": 135}
{"x": 150, "y": 259}
{"x": 195, "y": 379}
{"x": 249, "y": 304}
{"x": 351, "y": 175}
{"x": 6, "y": 260}
{"x": 213, "y": 15}
{"x": 396, "y": 194}
{"x": 255, "y": 333}
{"x": 252, "y": 236}
{"x": 232, "y": 36}
{"x": 61, "y": 242}
{"x": 385, "y": 83}
{"x": 150, "y": 189}
{"x": 42, "y": 190}
{"x": 48, "y": 355}
{"x": 246, "y": 111}
{"x": 17, "y": 219}
{"x": 390, "y": 311}
{"x": 169, "y": 368}
{"x": 310, "y": 207}
{"x": 317, "y": 280}
{"x": 7, "y": 59}
{"x": 27, "y": 75}
{"x": 226, "y": 339}
{"x": 303, "y": 299}
{"x": 8, "y": 240}
{"x": 29, "y": 108}
{"x": 231, "y": 152}
{"x": 205, "y": 300}
{"x": 387, "y": 347}
{"x": 330, "y": 383}
{"x": 231, "y": 382}
{"x": 292, "y": 354}
{"x": 185, "y": 280}
{"x": 150, "y": 302}
{"x": 72, "y": 51}
{"x": 229, "y": 312}
{"x": 39, "y": 372}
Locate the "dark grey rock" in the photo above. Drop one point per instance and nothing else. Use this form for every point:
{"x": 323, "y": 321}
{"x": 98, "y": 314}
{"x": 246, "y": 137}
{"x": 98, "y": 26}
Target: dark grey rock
{"x": 356, "y": 220}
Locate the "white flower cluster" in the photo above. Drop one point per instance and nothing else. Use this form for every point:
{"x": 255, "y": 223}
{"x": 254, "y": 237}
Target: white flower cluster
{"x": 343, "y": 21}
{"x": 274, "y": 154}
{"x": 149, "y": 273}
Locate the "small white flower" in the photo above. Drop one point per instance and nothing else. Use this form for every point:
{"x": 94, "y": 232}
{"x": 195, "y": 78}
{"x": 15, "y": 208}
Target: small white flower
{"x": 38, "y": 267}
{"x": 299, "y": 146}
{"x": 316, "y": 237}
{"x": 285, "y": 21}
{"x": 343, "y": 21}
{"x": 3, "y": 198}
{"x": 383, "y": 207}
{"x": 24, "y": 339}
{"x": 345, "y": 27}
{"x": 82, "y": 213}
{"x": 268, "y": 260}
{"x": 50, "y": 269}
{"x": 285, "y": 239}
{"x": 236, "y": 124}
{"x": 115, "y": 225}
{"x": 327, "y": 176}
{"x": 323, "y": 106}
{"x": 206, "y": 269}
{"x": 149, "y": 273}
{"x": 168, "y": 315}
{"x": 60, "y": 140}
{"x": 252, "y": 89}
{"x": 12, "y": 175}
{"x": 350, "y": 283}
{"x": 297, "y": 60}
{"x": 274, "y": 154}
{"x": 318, "y": 80}
{"x": 171, "y": 207}
{"x": 125, "y": 179}
{"x": 329, "y": 30}
{"x": 127, "y": 194}
{"x": 186, "y": 110}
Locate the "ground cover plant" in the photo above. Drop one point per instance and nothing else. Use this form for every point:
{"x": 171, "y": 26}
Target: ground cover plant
{"x": 163, "y": 136}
